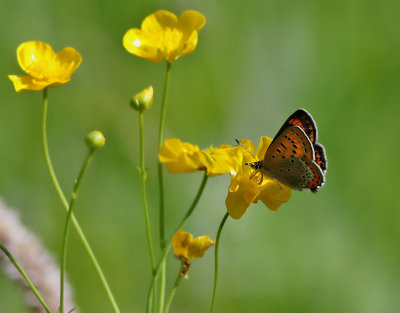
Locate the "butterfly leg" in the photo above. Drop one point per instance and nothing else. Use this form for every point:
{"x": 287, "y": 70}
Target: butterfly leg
{"x": 254, "y": 174}
{"x": 279, "y": 185}
{"x": 261, "y": 179}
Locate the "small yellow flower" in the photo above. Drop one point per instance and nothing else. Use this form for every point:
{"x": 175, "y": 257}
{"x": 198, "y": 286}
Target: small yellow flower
{"x": 163, "y": 35}
{"x": 187, "y": 247}
{"x": 184, "y": 157}
{"x": 246, "y": 190}
{"x": 44, "y": 67}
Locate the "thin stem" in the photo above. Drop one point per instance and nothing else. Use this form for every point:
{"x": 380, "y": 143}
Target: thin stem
{"x": 66, "y": 227}
{"x": 143, "y": 177}
{"x": 25, "y": 276}
{"x": 216, "y": 260}
{"x": 161, "y": 187}
{"x": 173, "y": 290}
{"x": 160, "y": 166}
{"x": 66, "y": 206}
{"x": 169, "y": 243}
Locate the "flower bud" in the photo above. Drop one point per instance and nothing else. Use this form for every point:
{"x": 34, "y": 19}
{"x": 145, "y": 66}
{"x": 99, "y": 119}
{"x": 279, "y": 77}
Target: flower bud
{"x": 142, "y": 100}
{"x": 95, "y": 140}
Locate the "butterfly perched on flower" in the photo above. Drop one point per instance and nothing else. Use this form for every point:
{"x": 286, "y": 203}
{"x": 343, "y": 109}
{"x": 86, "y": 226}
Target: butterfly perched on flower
{"x": 294, "y": 157}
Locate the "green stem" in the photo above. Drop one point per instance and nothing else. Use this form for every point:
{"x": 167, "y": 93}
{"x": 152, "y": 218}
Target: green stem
{"x": 161, "y": 187}
{"x": 25, "y": 276}
{"x": 169, "y": 243}
{"x": 66, "y": 227}
{"x": 216, "y": 260}
{"x": 160, "y": 165}
{"x": 143, "y": 177}
{"x": 173, "y": 291}
{"x": 66, "y": 206}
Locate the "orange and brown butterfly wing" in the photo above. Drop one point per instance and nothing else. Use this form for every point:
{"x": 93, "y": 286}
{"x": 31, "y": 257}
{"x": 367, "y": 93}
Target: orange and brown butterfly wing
{"x": 320, "y": 157}
{"x": 304, "y": 120}
{"x": 290, "y": 159}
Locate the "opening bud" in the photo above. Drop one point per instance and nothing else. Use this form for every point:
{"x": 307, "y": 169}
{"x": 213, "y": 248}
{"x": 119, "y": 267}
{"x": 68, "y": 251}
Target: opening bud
{"x": 95, "y": 140}
{"x": 143, "y": 100}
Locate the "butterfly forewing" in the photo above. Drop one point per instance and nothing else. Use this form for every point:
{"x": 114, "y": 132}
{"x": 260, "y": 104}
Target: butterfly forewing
{"x": 304, "y": 120}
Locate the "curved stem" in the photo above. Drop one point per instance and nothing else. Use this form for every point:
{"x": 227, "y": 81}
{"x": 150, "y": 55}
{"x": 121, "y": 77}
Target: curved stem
{"x": 169, "y": 243}
{"x": 66, "y": 206}
{"x": 143, "y": 177}
{"x": 66, "y": 226}
{"x": 216, "y": 260}
{"x": 27, "y": 279}
{"x": 173, "y": 291}
{"x": 161, "y": 187}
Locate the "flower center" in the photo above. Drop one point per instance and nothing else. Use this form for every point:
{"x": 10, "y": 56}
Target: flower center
{"x": 168, "y": 40}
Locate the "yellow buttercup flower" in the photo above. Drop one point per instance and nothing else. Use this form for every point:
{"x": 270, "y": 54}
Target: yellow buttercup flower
{"x": 185, "y": 246}
{"x": 184, "y": 157}
{"x": 163, "y": 35}
{"x": 44, "y": 67}
{"x": 246, "y": 189}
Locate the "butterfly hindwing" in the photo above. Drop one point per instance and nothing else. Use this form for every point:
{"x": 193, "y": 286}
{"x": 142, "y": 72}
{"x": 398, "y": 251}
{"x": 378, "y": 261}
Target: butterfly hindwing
{"x": 320, "y": 157}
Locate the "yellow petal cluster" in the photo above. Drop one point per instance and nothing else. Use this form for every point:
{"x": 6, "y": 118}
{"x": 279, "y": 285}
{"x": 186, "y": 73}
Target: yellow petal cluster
{"x": 184, "y": 157}
{"x": 44, "y": 67}
{"x": 245, "y": 190}
{"x": 163, "y": 35}
{"x": 187, "y": 247}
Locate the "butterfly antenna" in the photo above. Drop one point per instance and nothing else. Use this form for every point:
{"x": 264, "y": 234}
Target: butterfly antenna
{"x": 238, "y": 142}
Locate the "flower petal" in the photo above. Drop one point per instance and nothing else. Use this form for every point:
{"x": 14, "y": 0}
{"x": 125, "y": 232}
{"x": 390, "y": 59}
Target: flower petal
{"x": 159, "y": 21}
{"x": 273, "y": 196}
{"x": 180, "y": 243}
{"x": 199, "y": 246}
{"x": 141, "y": 44}
{"x": 186, "y": 247}
{"x": 180, "y": 157}
{"x": 227, "y": 160}
{"x": 186, "y": 47}
{"x": 237, "y": 202}
{"x": 67, "y": 60}
{"x": 262, "y": 147}
{"x": 23, "y": 82}
{"x": 190, "y": 21}
{"x": 34, "y": 58}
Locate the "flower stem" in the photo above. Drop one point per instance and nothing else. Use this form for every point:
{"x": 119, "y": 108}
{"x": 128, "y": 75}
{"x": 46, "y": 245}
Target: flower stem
{"x": 160, "y": 166}
{"x": 161, "y": 186}
{"x": 66, "y": 206}
{"x": 25, "y": 276}
{"x": 143, "y": 177}
{"x": 66, "y": 227}
{"x": 169, "y": 243}
{"x": 216, "y": 260}
{"x": 176, "y": 284}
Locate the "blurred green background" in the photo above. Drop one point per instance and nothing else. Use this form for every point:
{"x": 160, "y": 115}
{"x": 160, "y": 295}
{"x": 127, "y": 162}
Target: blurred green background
{"x": 255, "y": 64}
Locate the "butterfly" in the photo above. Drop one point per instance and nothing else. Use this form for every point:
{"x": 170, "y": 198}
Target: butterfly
{"x": 294, "y": 157}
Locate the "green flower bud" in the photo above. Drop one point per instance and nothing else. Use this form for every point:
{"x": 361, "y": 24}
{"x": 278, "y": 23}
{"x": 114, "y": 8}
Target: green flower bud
{"x": 95, "y": 140}
{"x": 142, "y": 100}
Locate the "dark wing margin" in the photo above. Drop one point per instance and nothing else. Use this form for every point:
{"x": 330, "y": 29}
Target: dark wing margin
{"x": 320, "y": 157}
{"x": 305, "y": 121}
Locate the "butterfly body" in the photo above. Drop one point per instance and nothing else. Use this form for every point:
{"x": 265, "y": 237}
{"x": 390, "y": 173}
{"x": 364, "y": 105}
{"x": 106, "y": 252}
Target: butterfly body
{"x": 294, "y": 157}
